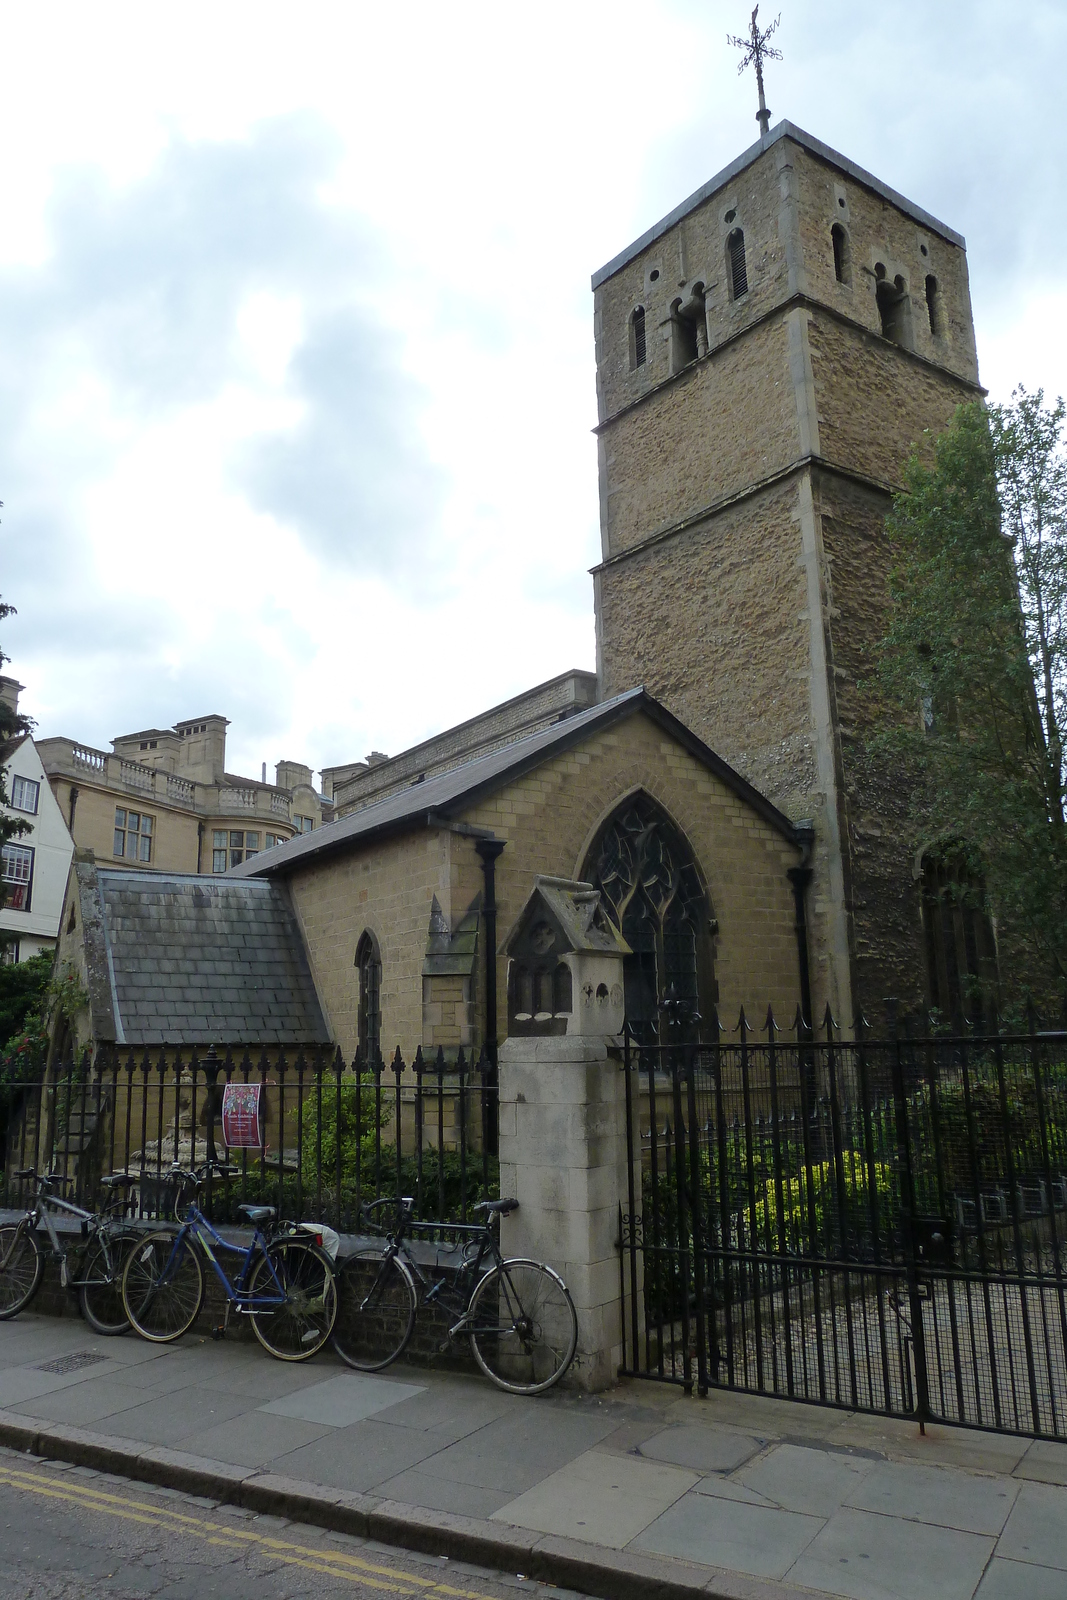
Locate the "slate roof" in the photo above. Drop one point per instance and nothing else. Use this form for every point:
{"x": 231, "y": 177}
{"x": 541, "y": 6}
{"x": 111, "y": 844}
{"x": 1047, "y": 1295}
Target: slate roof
{"x": 194, "y": 960}
{"x": 421, "y": 804}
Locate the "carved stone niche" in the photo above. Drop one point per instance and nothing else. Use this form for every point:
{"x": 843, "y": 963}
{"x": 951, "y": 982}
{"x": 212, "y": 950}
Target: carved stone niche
{"x": 565, "y": 963}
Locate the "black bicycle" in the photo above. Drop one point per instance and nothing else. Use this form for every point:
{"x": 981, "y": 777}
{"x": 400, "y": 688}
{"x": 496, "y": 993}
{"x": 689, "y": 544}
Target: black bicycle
{"x": 93, "y": 1266}
{"x": 517, "y": 1314}
{"x": 284, "y": 1282}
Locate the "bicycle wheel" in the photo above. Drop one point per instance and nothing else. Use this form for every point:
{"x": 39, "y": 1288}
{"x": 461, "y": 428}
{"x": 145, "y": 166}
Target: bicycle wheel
{"x": 162, "y": 1286}
{"x": 100, "y": 1283}
{"x": 20, "y": 1269}
{"x": 304, "y": 1321}
{"x": 376, "y": 1304}
{"x": 524, "y": 1328}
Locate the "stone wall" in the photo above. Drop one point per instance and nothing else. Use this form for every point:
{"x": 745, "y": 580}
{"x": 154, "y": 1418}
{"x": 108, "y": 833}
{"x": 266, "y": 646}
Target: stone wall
{"x": 386, "y": 888}
{"x": 711, "y": 621}
{"x": 876, "y": 402}
{"x": 174, "y": 832}
{"x": 549, "y": 819}
{"x": 881, "y": 232}
{"x": 723, "y": 424}
{"x": 693, "y": 251}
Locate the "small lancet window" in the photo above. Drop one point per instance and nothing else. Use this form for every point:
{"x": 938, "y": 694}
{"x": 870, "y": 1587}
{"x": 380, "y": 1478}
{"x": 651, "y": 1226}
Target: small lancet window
{"x": 637, "y": 339}
{"x": 933, "y": 306}
{"x": 842, "y": 254}
{"x": 369, "y": 967}
{"x": 735, "y": 261}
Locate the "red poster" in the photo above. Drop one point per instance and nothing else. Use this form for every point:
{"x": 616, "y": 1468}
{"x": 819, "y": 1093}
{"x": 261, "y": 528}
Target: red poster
{"x": 242, "y": 1128}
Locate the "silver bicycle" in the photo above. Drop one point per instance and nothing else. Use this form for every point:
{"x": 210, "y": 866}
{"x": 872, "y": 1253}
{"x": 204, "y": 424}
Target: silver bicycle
{"x": 93, "y": 1266}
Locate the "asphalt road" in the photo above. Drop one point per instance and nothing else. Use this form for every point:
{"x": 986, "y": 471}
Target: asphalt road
{"x": 70, "y": 1534}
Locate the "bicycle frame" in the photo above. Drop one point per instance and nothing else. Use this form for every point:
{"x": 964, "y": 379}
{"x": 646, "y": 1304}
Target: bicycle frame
{"x": 455, "y": 1297}
{"x": 40, "y": 1213}
{"x": 197, "y": 1227}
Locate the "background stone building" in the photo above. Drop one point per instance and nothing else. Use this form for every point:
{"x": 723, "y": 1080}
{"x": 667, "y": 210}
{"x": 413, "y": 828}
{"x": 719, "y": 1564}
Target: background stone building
{"x": 162, "y": 798}
{"x": 767, "y": 356}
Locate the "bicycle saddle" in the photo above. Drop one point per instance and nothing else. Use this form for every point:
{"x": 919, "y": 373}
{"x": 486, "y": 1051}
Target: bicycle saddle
{"x": 256, "y": 1214}
{"x": 502, "y": 1208}
{"x": 117, "y": 1180}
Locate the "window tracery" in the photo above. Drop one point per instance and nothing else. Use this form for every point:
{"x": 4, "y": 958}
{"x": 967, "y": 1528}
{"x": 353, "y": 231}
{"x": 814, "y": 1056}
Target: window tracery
{"x": 647, "y": 875}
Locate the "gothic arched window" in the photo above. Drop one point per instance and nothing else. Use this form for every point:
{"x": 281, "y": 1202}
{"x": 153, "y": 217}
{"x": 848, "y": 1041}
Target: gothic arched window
{"x": 369, "y": 965}
{"x": 646, "y": 872}
{"x": 961, "y": 956}
{"x": 738, "y": 267}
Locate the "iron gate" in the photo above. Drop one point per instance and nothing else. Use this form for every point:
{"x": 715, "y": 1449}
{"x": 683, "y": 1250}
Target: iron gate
{"x": 874, "y": 1224}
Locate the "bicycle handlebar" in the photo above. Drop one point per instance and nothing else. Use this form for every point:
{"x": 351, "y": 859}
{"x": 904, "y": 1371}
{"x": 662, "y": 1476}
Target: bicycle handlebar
{"x": 44, "y": 1178}
{"x": 206, "y": 1169}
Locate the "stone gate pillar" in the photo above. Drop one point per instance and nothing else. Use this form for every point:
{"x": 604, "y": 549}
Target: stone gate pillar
{"x": 563, "y": 1149}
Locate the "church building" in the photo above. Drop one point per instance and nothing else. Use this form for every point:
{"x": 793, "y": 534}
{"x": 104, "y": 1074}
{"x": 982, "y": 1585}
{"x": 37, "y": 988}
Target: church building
{"x": 767, "y": 357}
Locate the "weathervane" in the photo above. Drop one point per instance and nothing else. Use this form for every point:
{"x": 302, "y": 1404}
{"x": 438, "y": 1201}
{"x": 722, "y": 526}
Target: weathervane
{"x": 757, "y": 50}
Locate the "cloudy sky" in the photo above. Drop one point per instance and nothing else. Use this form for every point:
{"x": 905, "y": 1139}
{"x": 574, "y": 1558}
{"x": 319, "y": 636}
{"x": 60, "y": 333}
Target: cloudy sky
{"x": 296, "y": 376}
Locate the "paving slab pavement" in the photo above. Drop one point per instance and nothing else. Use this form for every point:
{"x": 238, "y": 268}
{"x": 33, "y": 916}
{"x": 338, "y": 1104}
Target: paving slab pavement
{"x": 638, "y": 1491}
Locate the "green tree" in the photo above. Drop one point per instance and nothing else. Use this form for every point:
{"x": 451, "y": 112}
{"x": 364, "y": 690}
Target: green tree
{"x": 974, "y": 662}
{"x": 23, "y": 992}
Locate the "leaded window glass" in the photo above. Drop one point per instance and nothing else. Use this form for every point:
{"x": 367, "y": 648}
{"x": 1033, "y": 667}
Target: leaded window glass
{"x": 645, "y": 870}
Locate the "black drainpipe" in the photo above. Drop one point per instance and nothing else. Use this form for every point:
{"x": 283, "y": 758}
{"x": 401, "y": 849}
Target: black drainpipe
{"x": 199, "y": 843}
{"x": 489, "y": 849}
{"x": 800, "y": 877}
{"x": 73, "y": 807}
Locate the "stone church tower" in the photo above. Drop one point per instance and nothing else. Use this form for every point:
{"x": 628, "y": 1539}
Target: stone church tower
{"x": 767, "y": 355}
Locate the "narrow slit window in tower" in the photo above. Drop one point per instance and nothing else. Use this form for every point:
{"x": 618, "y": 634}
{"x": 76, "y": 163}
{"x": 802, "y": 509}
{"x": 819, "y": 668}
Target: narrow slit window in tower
{"x": 933, "y": 306}
{"x": 637, "y": 339}
{"x": 842, "y": 254}
{"x": 735, "y": 260}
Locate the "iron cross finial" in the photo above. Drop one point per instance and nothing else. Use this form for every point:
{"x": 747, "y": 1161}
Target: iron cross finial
{"x": 757, "y": 50}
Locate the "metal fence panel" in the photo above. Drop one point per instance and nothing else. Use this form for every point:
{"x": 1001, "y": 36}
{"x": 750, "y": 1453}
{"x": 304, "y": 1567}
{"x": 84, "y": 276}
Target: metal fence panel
{"x": 336, "y": 1133}
{"x": 876, "y": 1224}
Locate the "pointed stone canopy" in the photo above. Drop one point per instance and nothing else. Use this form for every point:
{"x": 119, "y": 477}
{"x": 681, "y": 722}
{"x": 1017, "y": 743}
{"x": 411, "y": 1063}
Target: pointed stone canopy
{"x": 565, "y": 962}
{"x": 577, "y": 910}
{"x": 451, "y": 953}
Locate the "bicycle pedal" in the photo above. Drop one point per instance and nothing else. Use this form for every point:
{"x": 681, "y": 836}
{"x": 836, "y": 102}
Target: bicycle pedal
{"x": 219, "y": 1332}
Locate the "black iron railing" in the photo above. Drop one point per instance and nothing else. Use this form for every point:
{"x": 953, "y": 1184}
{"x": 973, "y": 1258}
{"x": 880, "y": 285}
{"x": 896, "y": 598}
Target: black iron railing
{"x": 334, "y": 1133}
{"x": 878, "y": 1224}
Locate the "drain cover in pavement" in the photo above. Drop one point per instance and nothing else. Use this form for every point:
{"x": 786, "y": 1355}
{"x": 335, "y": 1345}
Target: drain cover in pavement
{"x": 71, "y": 1363}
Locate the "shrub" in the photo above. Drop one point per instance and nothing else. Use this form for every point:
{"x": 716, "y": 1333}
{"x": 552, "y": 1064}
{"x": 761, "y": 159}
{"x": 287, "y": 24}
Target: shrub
{"x": 840, "y": 1202}
{"x": 351, "y": 1118}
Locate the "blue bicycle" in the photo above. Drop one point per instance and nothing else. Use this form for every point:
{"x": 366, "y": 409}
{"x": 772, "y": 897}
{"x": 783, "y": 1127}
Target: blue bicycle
{"x": 284, "y": 1282}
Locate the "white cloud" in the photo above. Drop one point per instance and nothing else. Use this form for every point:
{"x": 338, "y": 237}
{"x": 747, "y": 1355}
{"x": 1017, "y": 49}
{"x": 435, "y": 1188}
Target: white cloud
{"x": 297, "y": 387}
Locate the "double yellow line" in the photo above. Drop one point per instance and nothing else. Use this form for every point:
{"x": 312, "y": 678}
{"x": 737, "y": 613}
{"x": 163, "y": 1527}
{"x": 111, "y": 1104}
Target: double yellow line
{"x": 335, "y": 1564}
